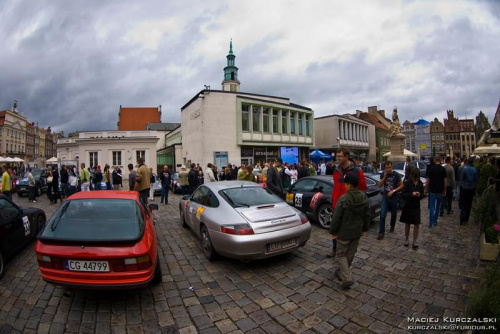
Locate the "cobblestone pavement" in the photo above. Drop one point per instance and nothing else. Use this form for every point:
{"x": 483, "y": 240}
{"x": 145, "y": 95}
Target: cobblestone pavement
{"x": 292, "y": 293}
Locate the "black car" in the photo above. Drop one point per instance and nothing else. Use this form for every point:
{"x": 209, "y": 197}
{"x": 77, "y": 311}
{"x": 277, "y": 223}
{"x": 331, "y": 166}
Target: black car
{"x": 22, "y": 187}
{"x": 301, "y": 193}
{"x": 18, "y": 226}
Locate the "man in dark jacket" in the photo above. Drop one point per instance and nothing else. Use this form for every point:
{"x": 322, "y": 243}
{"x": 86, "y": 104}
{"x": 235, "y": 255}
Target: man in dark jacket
{"x": 193, "y": 178}
{"x": 436, "y": 187}
{"x": 273, "y": 178}
{"x": 303, "y": 170}
{"x": 350, "y": 221}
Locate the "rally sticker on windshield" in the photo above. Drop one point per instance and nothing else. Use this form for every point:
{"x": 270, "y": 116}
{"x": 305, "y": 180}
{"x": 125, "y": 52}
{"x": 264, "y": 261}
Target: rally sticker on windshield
{"x": 298, "y": 200}
{"x": 26, "y": 224}
{"x": 199, "y": 211}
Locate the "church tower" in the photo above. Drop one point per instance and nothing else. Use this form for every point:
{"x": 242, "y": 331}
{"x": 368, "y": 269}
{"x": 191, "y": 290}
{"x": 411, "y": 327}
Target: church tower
{"x": 230, "y": 82}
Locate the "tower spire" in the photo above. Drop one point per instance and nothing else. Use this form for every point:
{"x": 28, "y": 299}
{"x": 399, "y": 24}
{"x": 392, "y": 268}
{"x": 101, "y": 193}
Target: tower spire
{"x": 230, "y": 82}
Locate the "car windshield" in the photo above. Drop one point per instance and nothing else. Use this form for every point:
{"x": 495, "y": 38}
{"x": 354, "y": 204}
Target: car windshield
{"x": 249, "y": 196}
{"x": 95, "y": 220}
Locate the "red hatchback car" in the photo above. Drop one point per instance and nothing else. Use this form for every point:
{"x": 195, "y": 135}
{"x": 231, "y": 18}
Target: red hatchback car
{"x": 100, "y": 239}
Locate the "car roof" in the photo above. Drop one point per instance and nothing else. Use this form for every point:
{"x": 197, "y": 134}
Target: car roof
{"x": 222, "y": 185}
{"x": 106, "y": 194}
{"x": 324, "y": 178}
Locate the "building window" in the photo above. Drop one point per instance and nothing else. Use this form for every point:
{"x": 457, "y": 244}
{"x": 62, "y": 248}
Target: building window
{"x": 307, "y": 125}
{"x": 275, "y": 121}
{"x": 93, "y": 159}
{"x": 256, "y": 119}
{"x": 292, "y": 122}
{"x": 117, "y": 158}
{"x": 300, "y": 124}
{"x": 140, "y": 154}
{"x": 245, "y": 118}
{"x": 265, "y": 120}
{"x": 283, "y": 121}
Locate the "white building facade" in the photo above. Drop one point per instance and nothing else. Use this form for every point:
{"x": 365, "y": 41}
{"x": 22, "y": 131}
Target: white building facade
{"x": 229, "y": 126}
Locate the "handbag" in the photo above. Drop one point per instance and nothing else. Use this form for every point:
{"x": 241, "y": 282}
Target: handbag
{"x": 50, "y": 178}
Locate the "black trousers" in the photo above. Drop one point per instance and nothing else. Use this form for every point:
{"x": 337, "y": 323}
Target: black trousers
{"x": 466, "y": 196}
{"x": 447, "y": 200}
{"x": 32, "y": 190}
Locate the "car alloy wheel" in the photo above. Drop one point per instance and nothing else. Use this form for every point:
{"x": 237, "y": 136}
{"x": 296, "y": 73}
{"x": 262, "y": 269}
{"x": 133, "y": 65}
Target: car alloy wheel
{"x": 325, "y": 215}
{"x": 183, "y": 219}
{"x": 206, "y": 244}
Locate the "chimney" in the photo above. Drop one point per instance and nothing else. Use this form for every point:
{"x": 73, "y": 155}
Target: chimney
{"x": 372, "y": 110}
{"x": 358, "y": 113}
{"x": 382, "y": 113}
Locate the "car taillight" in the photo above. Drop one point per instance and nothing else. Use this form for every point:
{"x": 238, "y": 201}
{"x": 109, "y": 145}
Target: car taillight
{"x": 303, "y": 218}
{"x": 132, "y": 263}
{"x": 51, "y": 262}
{"x": 241, "y": 229}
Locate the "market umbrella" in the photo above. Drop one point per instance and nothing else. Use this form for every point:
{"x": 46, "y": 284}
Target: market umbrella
{"x": 487, "y": 149}
{"x": 16, "y": 159}
{"x": 52, "y": 160}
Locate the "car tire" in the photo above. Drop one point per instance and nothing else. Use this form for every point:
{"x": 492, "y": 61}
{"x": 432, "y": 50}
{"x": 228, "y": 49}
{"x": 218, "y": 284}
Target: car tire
{"x": 324, "y": 215}
{"x": 40, "y": 223}
{"x": 157, "y": 276}
{"x": 38, "y": 190}
{"x": 183, "y": 219}
{"x": 206, "y": 244}
{"x": 2, "y": 264}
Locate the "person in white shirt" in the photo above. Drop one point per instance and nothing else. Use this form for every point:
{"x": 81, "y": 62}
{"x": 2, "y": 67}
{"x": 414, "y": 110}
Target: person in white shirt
{"x": 322, "y": 168}
{"x": 209, "y": 174}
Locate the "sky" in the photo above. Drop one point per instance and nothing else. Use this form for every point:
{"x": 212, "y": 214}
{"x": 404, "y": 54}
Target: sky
{"x": 71, "y": 64}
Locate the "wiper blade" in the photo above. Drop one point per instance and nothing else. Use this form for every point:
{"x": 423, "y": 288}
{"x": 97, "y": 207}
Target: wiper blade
{"x": 240, "y": 204}
{"x": 56, "y": 222}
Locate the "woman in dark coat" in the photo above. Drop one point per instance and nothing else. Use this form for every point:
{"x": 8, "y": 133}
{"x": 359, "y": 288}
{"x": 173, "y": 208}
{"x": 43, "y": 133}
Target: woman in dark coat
{"x": 412, "y": 193}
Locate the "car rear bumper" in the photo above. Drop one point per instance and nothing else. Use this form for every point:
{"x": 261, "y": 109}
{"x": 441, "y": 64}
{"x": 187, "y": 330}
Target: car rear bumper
{"x": 83, "y": 280}
{"x": 249, "y": 247}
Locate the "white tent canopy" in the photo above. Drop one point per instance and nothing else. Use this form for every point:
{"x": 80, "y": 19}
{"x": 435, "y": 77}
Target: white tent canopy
{"x": 6, "y": 159}
{"x": 405, "y": 152}
{"x": 52, "y": 160}
{"x": 487, "y": 149}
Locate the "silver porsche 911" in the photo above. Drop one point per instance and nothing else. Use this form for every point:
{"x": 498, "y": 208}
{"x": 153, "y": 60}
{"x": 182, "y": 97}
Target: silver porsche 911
{"x": 242, "y": 220}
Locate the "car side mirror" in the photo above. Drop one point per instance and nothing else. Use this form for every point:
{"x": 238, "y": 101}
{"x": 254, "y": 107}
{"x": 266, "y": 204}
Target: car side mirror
{"x": 153, "y": 206}
{"x": 186, "y": 197}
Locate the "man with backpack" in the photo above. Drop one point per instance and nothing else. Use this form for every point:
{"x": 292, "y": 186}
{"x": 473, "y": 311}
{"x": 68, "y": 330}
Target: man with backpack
{"x": 392, "y": 183}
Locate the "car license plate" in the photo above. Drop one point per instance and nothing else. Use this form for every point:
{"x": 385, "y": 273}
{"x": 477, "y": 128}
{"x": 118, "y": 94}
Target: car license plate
{"x": 276, "y": 246}
{"x": 77, "y": 265}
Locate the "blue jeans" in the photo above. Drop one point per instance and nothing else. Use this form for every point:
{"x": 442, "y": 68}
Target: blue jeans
{"x": 164, "y": 194}
{"x": 436, "y": 201}
{"x": 388, "y": 203}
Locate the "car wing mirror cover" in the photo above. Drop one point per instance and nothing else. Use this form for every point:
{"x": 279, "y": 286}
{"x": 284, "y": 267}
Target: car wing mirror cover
{"x": 186, "y": 197}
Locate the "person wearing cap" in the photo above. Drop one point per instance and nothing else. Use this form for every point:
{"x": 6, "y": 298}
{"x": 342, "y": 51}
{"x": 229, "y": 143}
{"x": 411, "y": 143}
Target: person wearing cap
{"x": 273, "y": 178}
{"x": 184, "y": 180}
{"x": 345, "y": 166}
{"x": 350, "y": 221}
{"x": 165, "y": 179}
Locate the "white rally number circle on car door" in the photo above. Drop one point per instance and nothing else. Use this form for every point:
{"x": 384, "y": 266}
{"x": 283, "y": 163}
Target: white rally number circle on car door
{"x": 298, "y": 200}
{"x": 26, "y": 224}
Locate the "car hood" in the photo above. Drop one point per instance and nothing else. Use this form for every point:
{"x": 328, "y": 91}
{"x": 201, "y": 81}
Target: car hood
{"x": 23, "y": 181}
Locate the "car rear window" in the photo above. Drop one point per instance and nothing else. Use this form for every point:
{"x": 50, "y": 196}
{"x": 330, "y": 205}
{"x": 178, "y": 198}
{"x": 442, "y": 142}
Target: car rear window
{"x": 96, "y": 220}
{"x": 249, "y": 196}
{"x": 37, "y": 173}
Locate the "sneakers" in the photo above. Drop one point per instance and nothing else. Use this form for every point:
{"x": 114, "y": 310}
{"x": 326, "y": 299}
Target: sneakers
{"x": 332, "y": 254}
{"x": 346, "y": 285}
{"x": 380, "y": 237}
{"x": 34, "y": 201}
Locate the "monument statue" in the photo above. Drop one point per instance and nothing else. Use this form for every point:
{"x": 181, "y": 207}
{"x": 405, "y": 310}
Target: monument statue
{"x": 395, "y": 129}
{"x": 14, "y": 106}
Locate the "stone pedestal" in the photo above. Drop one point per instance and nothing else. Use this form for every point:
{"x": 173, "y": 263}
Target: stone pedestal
{"x": 397, "y": 145}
